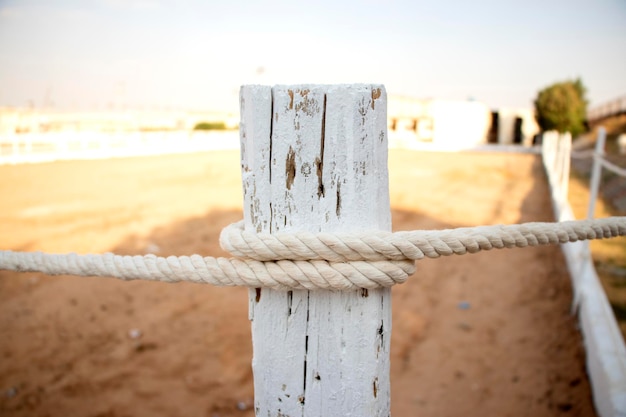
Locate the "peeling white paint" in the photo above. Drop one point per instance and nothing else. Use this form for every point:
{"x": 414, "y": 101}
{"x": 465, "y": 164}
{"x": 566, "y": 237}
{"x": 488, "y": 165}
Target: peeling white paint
{"x": 314, "y": 158}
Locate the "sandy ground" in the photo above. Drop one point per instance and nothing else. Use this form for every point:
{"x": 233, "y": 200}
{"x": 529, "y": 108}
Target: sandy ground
{"x": 486, "y": 334}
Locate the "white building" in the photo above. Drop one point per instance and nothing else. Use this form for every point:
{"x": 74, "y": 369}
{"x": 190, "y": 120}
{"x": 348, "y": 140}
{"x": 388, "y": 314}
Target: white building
{"x": 457, "y": 124}
{"x": 443, "y": 123}
{"x": 516, "y": 126}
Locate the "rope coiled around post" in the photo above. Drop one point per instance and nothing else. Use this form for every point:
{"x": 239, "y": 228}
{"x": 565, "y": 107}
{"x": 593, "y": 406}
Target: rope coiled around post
{"x": 314, "y": 261}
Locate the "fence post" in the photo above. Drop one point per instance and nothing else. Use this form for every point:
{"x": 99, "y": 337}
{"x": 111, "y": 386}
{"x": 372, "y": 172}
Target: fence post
{"x": 314, "y": 158}
{"x": 549, "y": 154}
{"x": 596, "y": 172}
{"x": 565, "y": 149}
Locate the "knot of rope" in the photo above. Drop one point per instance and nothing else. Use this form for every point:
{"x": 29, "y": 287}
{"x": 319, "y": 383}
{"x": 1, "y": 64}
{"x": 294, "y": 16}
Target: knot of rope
{"x": 315, "y": 261}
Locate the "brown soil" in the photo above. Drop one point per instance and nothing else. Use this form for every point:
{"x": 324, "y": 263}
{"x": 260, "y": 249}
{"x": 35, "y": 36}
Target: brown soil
{"x": 486, "y": 334}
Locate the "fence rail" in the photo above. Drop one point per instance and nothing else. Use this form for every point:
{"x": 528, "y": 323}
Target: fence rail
{"x": 605, "y": 348}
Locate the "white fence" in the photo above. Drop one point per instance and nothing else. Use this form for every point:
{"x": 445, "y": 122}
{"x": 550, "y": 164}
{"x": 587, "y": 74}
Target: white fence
{"x": 45, "y": 147}
{"x": 600, "y": 162}
{"x": 604, "y": 345}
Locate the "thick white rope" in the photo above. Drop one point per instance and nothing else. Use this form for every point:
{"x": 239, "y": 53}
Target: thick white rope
{"x": 282, "y": 275}
{"x": 314, "y": 261}
{"x": 377, "y": 246}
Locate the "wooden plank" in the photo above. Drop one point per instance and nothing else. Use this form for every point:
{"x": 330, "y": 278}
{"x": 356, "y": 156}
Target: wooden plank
{"x": 596, "y": 171}
{"x": 320, "y": 165}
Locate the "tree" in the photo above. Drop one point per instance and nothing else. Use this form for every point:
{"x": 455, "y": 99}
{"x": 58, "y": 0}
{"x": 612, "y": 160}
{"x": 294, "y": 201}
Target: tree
{"x": 562, "y": 106}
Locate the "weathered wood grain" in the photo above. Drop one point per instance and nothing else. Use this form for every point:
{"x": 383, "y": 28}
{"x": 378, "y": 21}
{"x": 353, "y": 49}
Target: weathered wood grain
{"x": 314, "y": 158}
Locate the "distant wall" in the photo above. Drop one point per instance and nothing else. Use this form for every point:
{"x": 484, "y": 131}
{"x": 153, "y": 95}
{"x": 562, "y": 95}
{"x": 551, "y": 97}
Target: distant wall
{"x": 19, "y": 148}
{"x": 441, "y": 122}
{"x": 42, "y": 121}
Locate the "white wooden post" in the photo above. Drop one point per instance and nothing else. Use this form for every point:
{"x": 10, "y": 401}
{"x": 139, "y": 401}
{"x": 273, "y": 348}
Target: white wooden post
{"x": 565, "y": 150}
{"x": 548, "y": 152}
{"x": 314, "y": 158}
{"x": 596, "y": 172}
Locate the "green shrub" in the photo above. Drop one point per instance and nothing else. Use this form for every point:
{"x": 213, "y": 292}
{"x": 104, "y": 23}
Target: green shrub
{"x": 562, "y": 106}
{"x": 210, "y": 126}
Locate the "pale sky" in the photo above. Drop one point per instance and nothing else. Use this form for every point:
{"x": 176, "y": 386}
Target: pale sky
{"x": 193, "y": 54}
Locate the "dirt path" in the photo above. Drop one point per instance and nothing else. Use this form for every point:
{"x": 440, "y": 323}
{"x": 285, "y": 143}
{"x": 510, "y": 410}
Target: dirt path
{"x": 486, "y": 334}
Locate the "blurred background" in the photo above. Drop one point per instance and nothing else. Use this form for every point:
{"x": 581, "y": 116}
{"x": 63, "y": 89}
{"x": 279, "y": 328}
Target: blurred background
{"x": 154, "y": 65}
